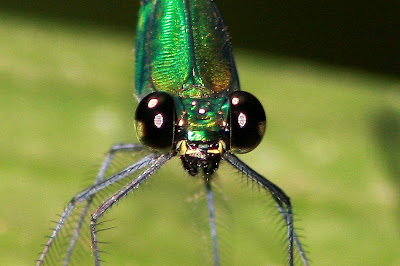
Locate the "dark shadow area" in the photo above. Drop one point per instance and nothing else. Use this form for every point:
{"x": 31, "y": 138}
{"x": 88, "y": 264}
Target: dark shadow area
{"x": 387, "y": 130}
{"x": 362, "y": 34}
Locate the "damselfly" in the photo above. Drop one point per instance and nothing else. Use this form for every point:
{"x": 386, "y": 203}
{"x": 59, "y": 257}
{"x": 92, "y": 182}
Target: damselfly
{"x": 190, "y": 106}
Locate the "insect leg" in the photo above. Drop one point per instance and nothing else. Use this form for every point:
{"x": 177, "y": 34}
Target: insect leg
{"x": 211, "y": 215}
{"x": 281, "y": 199}
{"x": 88, "y": 193}
{"x": 129, "y": 147}
{"x": 154, "y": 166}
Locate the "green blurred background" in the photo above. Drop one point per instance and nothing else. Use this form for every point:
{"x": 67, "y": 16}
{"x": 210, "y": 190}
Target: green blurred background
{"x": 66, "y": 85}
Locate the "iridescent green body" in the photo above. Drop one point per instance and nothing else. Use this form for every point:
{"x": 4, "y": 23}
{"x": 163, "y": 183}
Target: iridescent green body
{"x": 183, "y": 49}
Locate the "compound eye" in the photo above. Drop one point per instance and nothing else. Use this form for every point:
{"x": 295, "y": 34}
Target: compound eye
{"x": 155, "y": 120}
{"x": 247, "y": 122}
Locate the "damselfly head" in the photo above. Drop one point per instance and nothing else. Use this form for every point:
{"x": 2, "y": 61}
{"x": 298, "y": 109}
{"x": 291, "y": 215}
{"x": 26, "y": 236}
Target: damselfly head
{"x": 200, "y": 130}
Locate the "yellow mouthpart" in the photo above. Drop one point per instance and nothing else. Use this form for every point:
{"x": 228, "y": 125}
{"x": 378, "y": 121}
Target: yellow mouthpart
{"x": 182, "y": 146}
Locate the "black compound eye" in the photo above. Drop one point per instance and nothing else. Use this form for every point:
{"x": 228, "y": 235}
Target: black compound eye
{"x": 247, "y": 122}
{"x": 155, "y": 120}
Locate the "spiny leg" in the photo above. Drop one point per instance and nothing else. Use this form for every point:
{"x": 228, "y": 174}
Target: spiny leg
{"x": 88, "y": 193}
{"x": 281, "y": 199}
{"x": 211, "y": 216}
{"x": 129, "y": 147}
{"x": 155, "y": 165}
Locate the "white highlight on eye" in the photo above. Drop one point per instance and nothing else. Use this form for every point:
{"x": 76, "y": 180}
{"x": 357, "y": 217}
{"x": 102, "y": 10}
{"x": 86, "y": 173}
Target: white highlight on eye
{"x": 158, "y": 120}
{"x": 194, "y": 103}
{"x": 202, "y": 111}
{"x": 242, "y": 119}
{"x": 152, "y": 103}
{"x": 235, "y": 100}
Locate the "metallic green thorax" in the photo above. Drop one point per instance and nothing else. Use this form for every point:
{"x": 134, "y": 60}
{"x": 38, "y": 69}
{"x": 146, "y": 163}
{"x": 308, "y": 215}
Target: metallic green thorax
{"x": 183, "y": 48}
